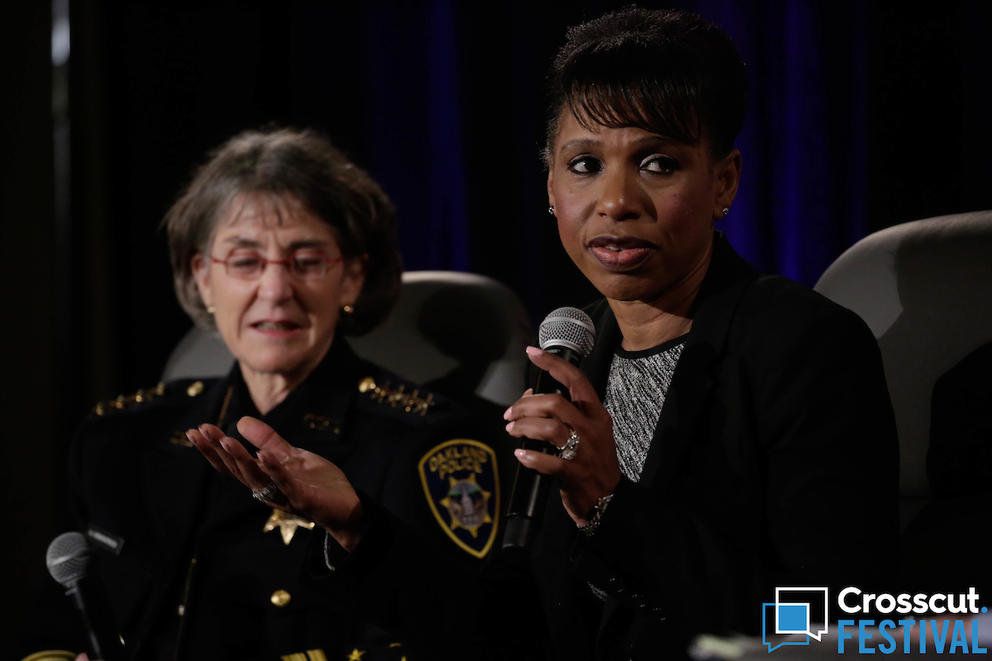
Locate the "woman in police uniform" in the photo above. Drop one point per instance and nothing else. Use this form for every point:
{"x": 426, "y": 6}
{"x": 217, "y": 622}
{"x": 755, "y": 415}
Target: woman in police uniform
{"x": 284, "y": 247}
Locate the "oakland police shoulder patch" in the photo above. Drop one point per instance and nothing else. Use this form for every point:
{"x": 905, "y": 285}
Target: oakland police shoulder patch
{"x": 461, "y": 481}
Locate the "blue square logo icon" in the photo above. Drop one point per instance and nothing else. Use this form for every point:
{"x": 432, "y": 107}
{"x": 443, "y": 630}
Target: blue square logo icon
{"x": 792, "y": 618}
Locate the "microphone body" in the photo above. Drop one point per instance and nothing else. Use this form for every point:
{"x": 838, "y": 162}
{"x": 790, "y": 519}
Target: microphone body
{"x": 92, "y": 605}
{"x": 569, "y": 334}
{"x": 68, "y": 563}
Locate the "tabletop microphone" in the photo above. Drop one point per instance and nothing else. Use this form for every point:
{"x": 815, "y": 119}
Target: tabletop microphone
{"x": 68, "y": 559}
{"x": 567, "y": 333}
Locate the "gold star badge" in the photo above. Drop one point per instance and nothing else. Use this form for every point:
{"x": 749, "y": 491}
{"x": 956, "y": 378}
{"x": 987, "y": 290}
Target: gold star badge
{"x": 356, "y": 655}
{"x": 287, "y": 524}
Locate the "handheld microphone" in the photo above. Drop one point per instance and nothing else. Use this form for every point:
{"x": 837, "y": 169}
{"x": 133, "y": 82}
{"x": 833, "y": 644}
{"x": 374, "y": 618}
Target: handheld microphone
{"x": 68, "y": 560}
{"x": 567, "y": 333}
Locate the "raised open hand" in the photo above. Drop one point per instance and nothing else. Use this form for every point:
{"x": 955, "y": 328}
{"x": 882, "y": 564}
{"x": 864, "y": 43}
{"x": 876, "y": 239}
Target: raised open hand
{"x": 285, "y": 476}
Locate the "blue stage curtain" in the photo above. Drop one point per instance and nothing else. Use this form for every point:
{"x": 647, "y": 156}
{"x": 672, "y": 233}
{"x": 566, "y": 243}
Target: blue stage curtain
{"x": 416, "y": 126}
{"x": 802, "y": 196}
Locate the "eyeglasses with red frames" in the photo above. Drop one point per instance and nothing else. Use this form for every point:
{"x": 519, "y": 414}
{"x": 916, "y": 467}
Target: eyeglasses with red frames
{"x": 249, "y": 265}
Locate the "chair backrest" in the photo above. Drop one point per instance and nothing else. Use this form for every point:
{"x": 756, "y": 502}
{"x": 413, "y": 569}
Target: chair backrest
{"x": 456, "y": 332}
{"x": 925, "y": 290}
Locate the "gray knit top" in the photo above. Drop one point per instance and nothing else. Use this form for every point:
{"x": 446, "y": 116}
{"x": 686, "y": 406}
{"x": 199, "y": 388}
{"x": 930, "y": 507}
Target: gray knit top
{"x": 635, "y": 393}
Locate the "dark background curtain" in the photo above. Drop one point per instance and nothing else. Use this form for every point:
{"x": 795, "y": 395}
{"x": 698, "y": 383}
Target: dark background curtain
{"x": 862, "y": 115}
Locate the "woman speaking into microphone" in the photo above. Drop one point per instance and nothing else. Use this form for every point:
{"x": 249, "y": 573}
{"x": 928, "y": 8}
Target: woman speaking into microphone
{"x": 730, "y": 431}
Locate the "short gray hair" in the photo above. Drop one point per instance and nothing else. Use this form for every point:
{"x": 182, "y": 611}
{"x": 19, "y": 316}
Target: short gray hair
{"x": 290, "y": 165}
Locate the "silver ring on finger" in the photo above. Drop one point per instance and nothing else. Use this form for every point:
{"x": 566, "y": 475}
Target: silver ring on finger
{"x": 270, "y": 492}
{"x": 569, "y": 450}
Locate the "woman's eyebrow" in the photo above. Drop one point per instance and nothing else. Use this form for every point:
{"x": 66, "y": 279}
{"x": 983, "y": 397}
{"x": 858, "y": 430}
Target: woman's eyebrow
{"x": 307, "y": 243}
{"x": 244, "y": 242}
{"x": 657, "y": 139}
{"x": 578, "y": 144}
{"x": 581, "y": 144}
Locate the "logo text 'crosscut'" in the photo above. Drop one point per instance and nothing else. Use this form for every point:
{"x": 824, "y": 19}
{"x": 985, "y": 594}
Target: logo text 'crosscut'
{"x": 801, "y": 614}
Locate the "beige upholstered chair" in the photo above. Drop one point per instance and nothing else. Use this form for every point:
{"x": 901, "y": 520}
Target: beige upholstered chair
{"x": 925, "y": 290}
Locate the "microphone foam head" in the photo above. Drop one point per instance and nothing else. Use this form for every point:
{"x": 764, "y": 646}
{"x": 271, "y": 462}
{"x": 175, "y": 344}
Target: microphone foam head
{"x": 67, "y": 558}
{"x": 567, "y": 327}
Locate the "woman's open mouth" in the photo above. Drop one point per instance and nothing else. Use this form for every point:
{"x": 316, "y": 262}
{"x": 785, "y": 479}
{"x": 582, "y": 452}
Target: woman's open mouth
{"x": 620, "y": 254}
{"x": 275, "y": 328}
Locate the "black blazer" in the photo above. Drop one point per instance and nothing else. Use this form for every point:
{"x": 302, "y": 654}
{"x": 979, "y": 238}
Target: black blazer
{"x": 774, "y": 463}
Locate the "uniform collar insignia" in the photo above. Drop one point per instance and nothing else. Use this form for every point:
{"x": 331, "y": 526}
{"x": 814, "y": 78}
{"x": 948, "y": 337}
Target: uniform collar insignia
{"x": 315, "y": 422}
{"x": 397, "y": 397}
{"x": 127, "y": 401}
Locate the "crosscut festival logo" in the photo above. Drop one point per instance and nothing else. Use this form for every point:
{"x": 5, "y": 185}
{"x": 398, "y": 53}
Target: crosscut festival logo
{"x": 938, "y": 623}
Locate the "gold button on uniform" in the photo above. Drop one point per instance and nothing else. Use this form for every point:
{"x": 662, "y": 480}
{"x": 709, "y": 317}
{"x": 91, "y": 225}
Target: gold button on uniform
{"x": 280, "y": 598}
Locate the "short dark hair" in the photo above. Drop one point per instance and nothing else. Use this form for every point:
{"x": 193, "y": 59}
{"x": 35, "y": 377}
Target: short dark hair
{"x": 301, "y": 166}
{"x": 666, "y": 71}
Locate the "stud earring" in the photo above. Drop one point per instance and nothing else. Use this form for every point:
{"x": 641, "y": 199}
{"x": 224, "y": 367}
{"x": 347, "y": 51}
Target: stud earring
{"x": 725, "y": 211}
{"x": 551, "y": 210}
{"x": 347, "y": 308}
{"x": 211, "y": 309}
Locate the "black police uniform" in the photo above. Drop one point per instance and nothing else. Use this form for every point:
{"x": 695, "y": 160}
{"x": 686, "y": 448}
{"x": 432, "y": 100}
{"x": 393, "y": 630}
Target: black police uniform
{"x": 196, "y": 569}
